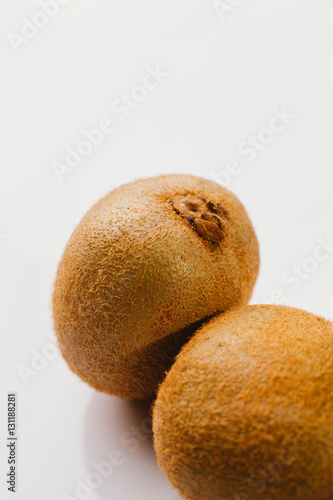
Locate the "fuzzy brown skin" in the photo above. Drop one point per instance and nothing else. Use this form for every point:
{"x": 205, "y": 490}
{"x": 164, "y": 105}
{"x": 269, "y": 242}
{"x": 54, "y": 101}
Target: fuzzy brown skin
{"x": 246, "y": 411}
{"x": 144, "y": 266}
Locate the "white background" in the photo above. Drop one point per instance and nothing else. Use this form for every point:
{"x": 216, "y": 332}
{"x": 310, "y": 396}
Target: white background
{"x": 226, "y": 77}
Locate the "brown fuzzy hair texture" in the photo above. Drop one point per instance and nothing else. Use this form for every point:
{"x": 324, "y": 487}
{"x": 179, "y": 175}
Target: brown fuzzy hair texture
{"x": 144, "y": 268}
{"x": 246, "y": 411}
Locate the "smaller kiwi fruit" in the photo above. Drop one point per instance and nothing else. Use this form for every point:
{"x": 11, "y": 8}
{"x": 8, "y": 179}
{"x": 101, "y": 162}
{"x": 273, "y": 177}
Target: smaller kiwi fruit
{"x": 246, "y": 411}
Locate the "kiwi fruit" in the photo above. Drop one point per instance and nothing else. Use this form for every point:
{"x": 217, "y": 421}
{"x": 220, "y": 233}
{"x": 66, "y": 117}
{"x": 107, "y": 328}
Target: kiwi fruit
{"x": 246, "y": 411}
{"x": 147, "y": 266}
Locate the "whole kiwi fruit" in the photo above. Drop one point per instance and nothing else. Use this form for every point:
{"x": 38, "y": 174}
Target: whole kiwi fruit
{"x": 246, "y": 411}
{"x": 146, "y": 266}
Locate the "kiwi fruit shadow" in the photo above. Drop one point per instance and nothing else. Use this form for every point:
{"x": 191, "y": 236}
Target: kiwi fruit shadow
{"x": 124, "y": 426}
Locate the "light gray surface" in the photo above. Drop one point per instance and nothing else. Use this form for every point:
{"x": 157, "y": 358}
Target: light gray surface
{"x": 226, "y": 80}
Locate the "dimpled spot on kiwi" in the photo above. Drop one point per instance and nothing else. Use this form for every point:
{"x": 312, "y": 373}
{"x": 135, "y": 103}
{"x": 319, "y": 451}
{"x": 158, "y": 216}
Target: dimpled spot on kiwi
{"x": 201, "y": 215}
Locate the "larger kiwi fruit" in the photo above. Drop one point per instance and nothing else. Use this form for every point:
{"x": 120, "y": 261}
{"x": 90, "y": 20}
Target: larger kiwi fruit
{"x": 246, "y": 411}
{"x": 146, "y": 266}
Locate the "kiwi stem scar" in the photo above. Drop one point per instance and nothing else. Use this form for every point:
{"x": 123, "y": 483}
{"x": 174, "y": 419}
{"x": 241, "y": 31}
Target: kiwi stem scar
{"x": 206, "y": 218}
